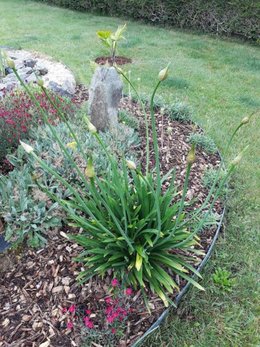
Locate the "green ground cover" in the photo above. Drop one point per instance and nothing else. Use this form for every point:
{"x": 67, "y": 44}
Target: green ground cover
{"x": 221, "y": 81}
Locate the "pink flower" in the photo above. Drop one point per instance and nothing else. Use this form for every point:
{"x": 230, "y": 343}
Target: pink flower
{"x": 88, "y": 323}
{"x": 88, "y": 312}
{"x": 114, "y": 282}
{"x": 69, "y": 325}
{"x": 129, "y": 291}
{"x": 72, "y": 308}
{"x": 64, "y": 310}
{"x": 113, "y": 330}
{"x": 108, "y": 301}
{"x": 110, "y": 319}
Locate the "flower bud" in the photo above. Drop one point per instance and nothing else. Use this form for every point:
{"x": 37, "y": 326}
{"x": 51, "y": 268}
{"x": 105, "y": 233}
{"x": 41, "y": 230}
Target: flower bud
{"x": 245, "y": 120}
{"x": 236, "y": 160}
{"x": 27, "y": 148}
{"x": 72, "y": 145}
{"x": 131, "y": 165}
{"x": 40, "y": 83}
{"x": 89, "y": 171}
{"x": 91, "y": 127}
{"x": 163, "y": 74}
{"x": 10, "y": 63}
{"x": 191, "y": 157}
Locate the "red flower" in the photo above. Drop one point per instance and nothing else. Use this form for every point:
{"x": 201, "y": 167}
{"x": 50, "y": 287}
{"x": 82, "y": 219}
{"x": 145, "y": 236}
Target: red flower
{"x": 113, "y": 330}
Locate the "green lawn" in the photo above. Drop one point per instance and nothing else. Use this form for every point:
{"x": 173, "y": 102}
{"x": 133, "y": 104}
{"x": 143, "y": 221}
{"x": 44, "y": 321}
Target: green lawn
{"x": 220, "y": 79}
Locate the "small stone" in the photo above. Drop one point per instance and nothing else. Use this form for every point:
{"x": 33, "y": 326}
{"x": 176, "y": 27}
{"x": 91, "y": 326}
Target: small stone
{"x": 29, "y": 63}
{"x": 57, "y": 289}
{"x": 6, "y": 322}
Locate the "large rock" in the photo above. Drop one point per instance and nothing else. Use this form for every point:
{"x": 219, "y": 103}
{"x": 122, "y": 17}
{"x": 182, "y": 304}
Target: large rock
{"x": 32, "y": 66}
{"x": 104, "y": 96}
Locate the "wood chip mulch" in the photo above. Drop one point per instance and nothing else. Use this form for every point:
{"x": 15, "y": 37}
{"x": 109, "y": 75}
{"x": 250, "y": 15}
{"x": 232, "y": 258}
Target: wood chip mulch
{"x": 36, "y": 285}
{"x": 119, "y": 60}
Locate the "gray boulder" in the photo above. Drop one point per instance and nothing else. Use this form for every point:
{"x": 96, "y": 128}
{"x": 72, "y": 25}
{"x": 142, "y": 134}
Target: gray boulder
{"x": 104, "y": 97}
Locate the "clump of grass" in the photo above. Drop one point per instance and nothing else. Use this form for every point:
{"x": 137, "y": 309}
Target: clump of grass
{"x": 179, "y": 111}
{"x": 222, "y": 279}
{"x": 128, "y": 119}
{"x": 204, "y": 142}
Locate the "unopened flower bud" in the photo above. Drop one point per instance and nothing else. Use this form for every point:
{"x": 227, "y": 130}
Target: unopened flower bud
{"x": 27, "y": 148}
{"x": 130, "y": 164}
{"x": 89, "y": 171}
{"x": 191, "y": 157}
{"x": 163, "y": 74}
{"x": 236, "y": 160}
{"x": 40, "y": 83}
{"x": 91, "y": 127}
{"x": 245, "y": 120}
{"x": 10, "y": 63}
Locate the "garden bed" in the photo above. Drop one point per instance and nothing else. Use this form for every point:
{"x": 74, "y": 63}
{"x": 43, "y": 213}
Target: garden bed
{"x": 37, "y": 286}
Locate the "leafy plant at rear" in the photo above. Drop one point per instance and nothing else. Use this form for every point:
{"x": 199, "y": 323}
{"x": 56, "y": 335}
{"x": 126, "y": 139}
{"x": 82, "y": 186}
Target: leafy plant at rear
{"x": 110, "y": 40}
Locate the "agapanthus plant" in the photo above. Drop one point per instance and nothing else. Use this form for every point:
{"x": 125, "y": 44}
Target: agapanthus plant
{"x": 130, "y": 225}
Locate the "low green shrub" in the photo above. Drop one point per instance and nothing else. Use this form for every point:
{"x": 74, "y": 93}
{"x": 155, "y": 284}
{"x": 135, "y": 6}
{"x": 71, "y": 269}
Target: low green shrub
{"x": 128, "y": 119}
{"x": 211, "y": 175}
{"x": 27, "y": 212}
{"x": 234, "y": 17}
{"x": 179, "y": 111}
{"x": 203, "y": 141}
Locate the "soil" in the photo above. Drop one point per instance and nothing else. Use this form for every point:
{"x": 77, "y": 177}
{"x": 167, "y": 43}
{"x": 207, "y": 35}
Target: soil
{"x": 119, "y": 60}
{"x": 39, "y": 284}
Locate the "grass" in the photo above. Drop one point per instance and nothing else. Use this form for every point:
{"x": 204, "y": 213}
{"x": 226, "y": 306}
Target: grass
{"x": 220, "y": 79}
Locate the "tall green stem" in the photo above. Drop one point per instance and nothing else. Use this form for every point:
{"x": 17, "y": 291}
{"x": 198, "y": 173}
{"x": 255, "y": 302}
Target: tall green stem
{"x": 155, "y": 141}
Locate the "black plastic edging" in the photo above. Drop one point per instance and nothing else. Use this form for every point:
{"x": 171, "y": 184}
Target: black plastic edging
{"x": 159, "y": 321}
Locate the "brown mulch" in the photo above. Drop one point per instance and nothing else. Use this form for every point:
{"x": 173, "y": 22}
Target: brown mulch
{"x": 37, "y": 284}
{"x": 119, "y": 60}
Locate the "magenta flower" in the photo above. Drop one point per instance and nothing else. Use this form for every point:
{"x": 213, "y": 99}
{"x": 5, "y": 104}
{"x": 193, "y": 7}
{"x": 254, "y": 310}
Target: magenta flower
{"x": 64, "y": 310}
{"x": 108, "y": 301}
{"x": 88, "y": 323}
{"x": 72, "y": 308}
{"x": 110, "y": 319}
{"x": 114, "y": 282}
{"x": 113, "y": 330}
{"x": 88, "y": 312}
{"x": 129, "y": 291}
{"x": 69, "y": 325}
